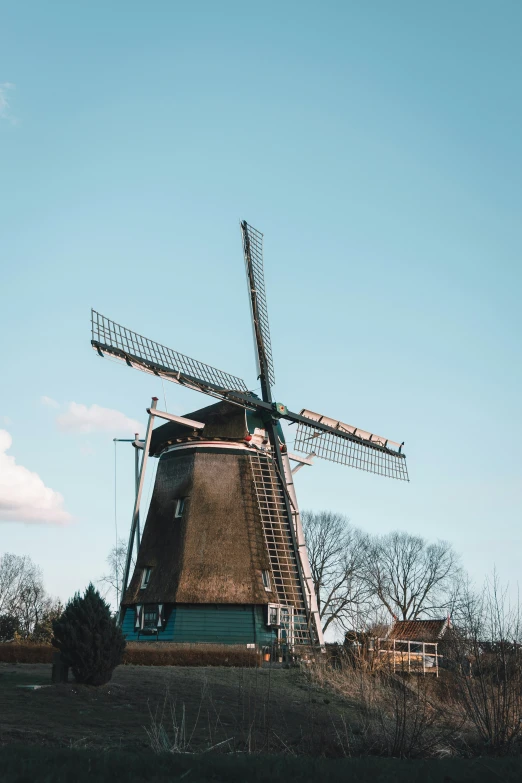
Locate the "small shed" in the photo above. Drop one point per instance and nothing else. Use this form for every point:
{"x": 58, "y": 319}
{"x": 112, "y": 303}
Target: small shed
{"x": 413, "y": 645}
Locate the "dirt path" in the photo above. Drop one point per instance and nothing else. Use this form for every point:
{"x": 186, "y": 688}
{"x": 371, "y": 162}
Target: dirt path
{"x": 260, "y": 709}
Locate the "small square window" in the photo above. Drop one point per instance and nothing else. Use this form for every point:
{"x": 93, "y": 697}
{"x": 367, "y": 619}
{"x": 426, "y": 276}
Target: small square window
{"x": 180, "y": 506}
{"x": 267, "y": 584}
{"x": 145, "y": 579}
{"x": 150, "y": 618}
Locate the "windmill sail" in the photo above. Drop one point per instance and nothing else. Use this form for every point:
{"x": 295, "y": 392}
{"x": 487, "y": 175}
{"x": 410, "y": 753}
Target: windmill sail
{"x": 149, "y": 356}
{"x": 253, "y": 252}
{"x": 250, "y": 552}
{"x": 339, "y": 442}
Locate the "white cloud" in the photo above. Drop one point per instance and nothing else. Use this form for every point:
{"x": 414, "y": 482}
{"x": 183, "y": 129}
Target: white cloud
{"x": 23, "y": 495}
{"x": 81, "y": 419}
{"x": 5, "y": 108}
{"x": 49, "y": 402}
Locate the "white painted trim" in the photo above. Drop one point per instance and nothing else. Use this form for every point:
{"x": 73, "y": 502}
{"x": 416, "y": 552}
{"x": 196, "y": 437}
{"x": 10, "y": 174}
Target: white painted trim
{"x": 302, "y": 553}
{"x": 195, "y": 425}
{"x": 302, "y": 460}
{"x": 215, "y": 444}
{"x": 343, "y": 427}
{"x": 136, "y": 510}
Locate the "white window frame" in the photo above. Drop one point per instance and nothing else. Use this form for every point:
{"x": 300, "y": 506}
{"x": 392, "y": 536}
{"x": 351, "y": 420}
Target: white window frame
{"x": 271, "y": 609}
{"x": 146, "y": 610}
{"x": 267, "y": 581}
{"x": 180, "y": 507}
{"x": 145, "y": 577}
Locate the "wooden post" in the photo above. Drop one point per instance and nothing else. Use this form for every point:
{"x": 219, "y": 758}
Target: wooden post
{"x": 137, "y": 484}
{"x": 424, "y": 657}
{"x": 136, "y": 511}
{"x": 409, "y": 656}
{"x": 60, "y": 672}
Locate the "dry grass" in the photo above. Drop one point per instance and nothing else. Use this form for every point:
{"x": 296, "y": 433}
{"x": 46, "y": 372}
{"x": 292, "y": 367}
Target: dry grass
{"x": 398, "y": 715}
{"x": 145, "y": 654}
{"x": 165, "y": 654}
{"x": 26, "y": 652}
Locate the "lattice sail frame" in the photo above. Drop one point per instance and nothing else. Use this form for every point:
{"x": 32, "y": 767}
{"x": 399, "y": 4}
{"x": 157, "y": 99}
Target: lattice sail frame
{"x": 348, "y": 449}
{"x": 253, "y": 252}
{"x": 108, "y": 336}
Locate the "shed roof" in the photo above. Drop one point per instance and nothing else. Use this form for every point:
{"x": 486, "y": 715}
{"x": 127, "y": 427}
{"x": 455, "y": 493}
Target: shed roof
{"x": 419, "y": 630}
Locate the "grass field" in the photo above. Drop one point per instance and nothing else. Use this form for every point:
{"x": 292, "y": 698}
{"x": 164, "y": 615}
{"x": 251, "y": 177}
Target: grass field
{"x": 19, "y": 764}
{"x": 247, "y": 709}
{"x": 219, "y": 724}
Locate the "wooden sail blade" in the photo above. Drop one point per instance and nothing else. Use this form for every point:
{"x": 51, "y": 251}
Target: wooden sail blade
{"x": 253, "y": 252}
{"x": 137, "y": 351}
{"x": 339, "y": 442}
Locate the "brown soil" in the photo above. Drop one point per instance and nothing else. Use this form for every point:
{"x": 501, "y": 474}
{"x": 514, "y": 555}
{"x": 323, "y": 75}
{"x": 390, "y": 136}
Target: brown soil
{"x": 257, "y": 709}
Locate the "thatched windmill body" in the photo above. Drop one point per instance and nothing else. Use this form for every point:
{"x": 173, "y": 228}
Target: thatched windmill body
{"x": 223, "y": 556}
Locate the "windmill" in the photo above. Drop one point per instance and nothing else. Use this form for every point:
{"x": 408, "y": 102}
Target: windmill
{"x": 223, "y": 556}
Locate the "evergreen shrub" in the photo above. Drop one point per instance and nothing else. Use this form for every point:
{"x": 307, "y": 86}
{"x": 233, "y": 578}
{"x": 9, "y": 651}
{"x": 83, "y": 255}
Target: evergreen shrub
{"x": 89, "y": 639}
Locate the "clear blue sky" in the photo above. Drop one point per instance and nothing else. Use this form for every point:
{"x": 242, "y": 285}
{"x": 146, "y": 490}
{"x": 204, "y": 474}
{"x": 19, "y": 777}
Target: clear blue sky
{"x": 377, "y": 146}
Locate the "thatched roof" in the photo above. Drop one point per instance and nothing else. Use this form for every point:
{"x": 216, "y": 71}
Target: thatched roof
{"x": 419, "y": 630}
{"x": 223, "y": 421}
{"x": 214, "y": 553}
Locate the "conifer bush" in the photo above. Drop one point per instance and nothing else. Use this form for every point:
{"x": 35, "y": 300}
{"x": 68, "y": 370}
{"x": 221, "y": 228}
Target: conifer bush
{"x": 90, "y": 641}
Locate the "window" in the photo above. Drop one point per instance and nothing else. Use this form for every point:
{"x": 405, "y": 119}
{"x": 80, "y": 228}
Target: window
{"x": 150, "y": 618}
{"x": 266, "y": 580}
{"x": 145, "y": 579}
{"x": 274, "y": 615}
{"x": 180, "y": 506}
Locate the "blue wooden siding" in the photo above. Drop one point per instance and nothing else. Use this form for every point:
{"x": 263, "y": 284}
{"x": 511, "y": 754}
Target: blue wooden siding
{"x": 209, "y": 623}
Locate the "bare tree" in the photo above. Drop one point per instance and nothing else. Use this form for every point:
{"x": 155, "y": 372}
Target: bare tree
{"x": 336, "y": 552}
{"x": 487, "y": 652}
{"x": 43, "y": 629}
{"x": 113, "y": 580}
{"x": 16, "y": 574}
{"x": 33, "y": 604}
{"x": 411, "y": 577}
{"x": 22, "y": 593}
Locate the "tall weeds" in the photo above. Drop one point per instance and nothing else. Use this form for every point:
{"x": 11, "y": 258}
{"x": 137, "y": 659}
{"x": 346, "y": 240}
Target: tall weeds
{"x": 394, "y": 714}
{"x": 487, "y": 675}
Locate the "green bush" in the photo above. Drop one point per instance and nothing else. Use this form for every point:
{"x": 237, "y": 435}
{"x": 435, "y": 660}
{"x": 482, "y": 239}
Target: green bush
{"x": 90, "y": 641}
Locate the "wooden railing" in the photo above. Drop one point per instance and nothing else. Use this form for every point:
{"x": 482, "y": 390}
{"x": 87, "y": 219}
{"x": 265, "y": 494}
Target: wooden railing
{"x": 404, "y": 658}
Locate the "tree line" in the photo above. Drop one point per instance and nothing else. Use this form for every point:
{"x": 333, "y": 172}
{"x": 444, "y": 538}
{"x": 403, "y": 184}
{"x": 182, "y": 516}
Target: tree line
{"x": 363, "y": 580}
{"x": 360, "y": 580}
{"x": 26, "y": 610}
